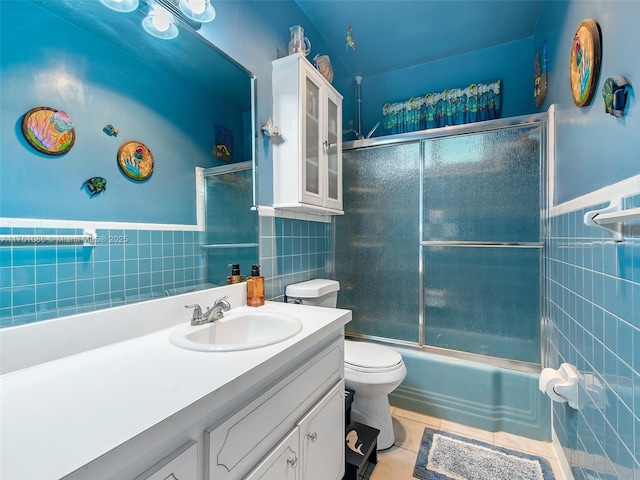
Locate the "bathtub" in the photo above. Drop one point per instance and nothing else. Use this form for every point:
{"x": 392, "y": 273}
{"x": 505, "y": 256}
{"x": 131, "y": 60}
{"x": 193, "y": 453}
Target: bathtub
{"x": 482, "y": 396}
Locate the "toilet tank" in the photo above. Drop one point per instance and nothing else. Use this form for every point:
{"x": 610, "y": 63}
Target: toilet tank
{"x": 320, "y": 292}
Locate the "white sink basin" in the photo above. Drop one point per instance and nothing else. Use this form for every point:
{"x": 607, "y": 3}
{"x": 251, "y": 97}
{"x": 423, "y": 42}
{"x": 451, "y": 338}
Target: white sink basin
{"x": 242, "y": 328}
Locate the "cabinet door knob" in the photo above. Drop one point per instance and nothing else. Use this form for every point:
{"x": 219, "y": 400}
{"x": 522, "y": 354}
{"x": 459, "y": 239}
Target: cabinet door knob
{"x": 292, "y": 461}
{"x": 312, "y": 436}
{"x": 325, "y": 144}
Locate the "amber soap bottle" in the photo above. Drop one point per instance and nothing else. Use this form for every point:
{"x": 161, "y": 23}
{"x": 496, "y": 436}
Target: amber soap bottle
{"x": 255, "y": 288}
{"x": 235, "y": 276}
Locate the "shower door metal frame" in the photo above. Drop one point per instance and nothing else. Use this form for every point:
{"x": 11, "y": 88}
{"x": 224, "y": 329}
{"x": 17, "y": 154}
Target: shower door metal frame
{"x": 450, "y": 132}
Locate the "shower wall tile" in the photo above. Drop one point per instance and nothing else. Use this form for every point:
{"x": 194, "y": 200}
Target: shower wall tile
{"x": 293, "y": 250}
{"x": 44, "y": 281}
{"x": 592, "y": 310}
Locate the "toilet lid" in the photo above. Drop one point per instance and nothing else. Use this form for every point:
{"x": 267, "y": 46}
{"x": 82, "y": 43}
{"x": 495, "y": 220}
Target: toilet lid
{"x": 369, "y": 355}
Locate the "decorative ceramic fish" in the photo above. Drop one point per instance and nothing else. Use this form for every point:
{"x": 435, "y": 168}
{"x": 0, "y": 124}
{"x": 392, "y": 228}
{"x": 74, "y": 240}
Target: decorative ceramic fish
{"x": 95, "y": 185}
{"x": 111, "y": 130}
{"x": 350, "y": 41}
{"x": 615, "y": 92}
{"x": 352, "y": 442}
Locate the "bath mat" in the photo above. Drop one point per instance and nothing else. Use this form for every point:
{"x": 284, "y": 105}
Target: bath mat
{"x": 446, "y": 456}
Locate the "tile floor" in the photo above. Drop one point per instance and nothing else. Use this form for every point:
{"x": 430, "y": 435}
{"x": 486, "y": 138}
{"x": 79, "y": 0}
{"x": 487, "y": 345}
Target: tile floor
{"x": 397, "y": 462}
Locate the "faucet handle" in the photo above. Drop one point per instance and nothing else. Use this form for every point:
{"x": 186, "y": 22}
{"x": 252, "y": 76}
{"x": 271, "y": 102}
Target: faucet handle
{"x": 197, "y": 312}
{"x": 196, "y": 307}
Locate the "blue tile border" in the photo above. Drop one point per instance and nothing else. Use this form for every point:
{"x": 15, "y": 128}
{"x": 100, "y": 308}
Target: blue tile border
{"x": 44, "y": 281}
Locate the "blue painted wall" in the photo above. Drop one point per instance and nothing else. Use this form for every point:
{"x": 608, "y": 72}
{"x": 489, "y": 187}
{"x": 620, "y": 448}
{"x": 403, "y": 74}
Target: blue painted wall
{"x": 592, "y": 149}
{"x": 512, "y": 63}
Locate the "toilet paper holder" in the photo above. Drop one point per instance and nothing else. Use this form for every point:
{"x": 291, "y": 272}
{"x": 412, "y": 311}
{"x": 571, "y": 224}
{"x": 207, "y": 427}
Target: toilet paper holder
{"x": 562, "y": 385}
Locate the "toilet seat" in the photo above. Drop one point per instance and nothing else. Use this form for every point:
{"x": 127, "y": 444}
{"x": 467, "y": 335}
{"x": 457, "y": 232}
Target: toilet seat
{"x": 370, "y": 358}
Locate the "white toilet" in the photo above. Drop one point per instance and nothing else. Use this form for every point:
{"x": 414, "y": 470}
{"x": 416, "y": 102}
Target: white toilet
{"x": 372, "y": 371}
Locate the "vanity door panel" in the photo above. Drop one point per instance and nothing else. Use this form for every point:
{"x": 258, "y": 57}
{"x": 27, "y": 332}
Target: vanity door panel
{"x": 322, "y": 438}
{"x": 234, "y": 446}
{"x": 282, "y": 463}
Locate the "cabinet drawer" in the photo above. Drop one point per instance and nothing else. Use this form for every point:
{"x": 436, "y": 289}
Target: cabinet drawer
{"x": 181, "y": 464}
{"x": 235, "y": 445}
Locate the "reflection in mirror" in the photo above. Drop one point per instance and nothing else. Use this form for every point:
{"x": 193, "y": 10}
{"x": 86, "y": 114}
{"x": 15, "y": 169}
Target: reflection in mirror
{"x": 118, "y": 84}
{"x": 231, "y": 235}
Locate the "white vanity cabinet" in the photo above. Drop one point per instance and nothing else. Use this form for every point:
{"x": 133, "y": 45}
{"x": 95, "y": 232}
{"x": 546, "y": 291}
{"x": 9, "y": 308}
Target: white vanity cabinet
{"x": 306, "y": 408}
{"x": 314, "y": 449}
{"x": 181, "y": 464}
{"x": 282, "y": 463}
{"x": 307, "y": 158}
{"x": 142, "y": 408}
{"x": 321, "y": 443}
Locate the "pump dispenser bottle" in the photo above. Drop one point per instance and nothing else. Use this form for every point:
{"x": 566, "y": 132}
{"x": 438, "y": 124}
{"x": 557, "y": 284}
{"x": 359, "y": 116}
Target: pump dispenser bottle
{"x": 255, "y": 288}
{"x": 235, "y": 276}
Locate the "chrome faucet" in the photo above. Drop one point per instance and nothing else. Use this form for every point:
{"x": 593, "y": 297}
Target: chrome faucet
{"x": 212, "y": 314}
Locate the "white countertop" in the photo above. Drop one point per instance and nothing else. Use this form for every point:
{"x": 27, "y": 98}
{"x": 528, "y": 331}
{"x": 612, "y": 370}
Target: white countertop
{"x": 60, "y": 415}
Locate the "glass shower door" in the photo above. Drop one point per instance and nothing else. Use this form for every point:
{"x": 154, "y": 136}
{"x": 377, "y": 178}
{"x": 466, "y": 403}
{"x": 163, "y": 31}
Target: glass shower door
{"x": 377, "y": 241}
{"x": 481, "y": 242}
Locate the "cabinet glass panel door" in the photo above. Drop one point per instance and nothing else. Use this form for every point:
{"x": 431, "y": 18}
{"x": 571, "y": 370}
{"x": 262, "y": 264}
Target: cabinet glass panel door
{"x": 334, "y": 180}
{"x": 312, "y": 141}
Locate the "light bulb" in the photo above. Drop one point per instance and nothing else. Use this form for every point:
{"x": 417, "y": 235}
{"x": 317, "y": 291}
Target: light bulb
{"x": 197, "y": 6}
{"x": 161, "y": 23}
{"x": 198, "y": 10}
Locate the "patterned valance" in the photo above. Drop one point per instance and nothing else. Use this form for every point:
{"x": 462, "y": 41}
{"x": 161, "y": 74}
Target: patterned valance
{"x": 454, "y": 106}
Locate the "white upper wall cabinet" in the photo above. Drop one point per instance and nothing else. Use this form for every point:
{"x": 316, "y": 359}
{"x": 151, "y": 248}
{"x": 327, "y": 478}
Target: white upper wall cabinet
{"x": 307, "y": 158}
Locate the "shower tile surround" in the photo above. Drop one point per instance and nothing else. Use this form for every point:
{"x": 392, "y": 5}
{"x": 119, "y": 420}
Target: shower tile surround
{"x": 294, "y": 247}
{"x": 592, "y": 317}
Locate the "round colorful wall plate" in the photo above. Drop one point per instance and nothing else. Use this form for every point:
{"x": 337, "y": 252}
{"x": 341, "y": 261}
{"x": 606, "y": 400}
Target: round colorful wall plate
{"x": 135, "y": 160}
{"x": 584, "y": 66}
{"x": 48, "y": 130}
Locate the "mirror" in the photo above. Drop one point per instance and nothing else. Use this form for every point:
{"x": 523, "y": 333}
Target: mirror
{"x": 118, "y": 84}
{"x": 189, "y": 56}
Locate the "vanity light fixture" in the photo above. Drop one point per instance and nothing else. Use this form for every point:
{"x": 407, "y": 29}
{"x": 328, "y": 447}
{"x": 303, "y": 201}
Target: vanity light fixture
{"x": 198, "y": 10}
{"x": 123, "y": 6}
{"x": 160, "y": 23}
